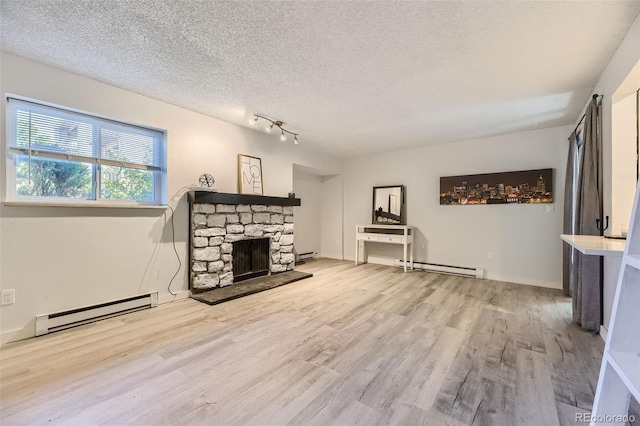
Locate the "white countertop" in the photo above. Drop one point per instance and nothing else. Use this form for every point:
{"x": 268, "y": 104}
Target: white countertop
{"x": 595, "y": 245}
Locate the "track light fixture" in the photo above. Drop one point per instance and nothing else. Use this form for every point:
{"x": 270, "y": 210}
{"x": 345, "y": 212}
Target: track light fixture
{"x": 278, "y": 124}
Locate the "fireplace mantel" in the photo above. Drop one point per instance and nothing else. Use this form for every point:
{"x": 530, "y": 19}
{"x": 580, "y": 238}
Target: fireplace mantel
{"x": 227, "y": 198}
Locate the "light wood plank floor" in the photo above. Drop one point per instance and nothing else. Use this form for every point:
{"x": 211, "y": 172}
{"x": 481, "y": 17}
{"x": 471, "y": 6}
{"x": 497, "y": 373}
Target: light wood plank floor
{"x": 352, "y": 345}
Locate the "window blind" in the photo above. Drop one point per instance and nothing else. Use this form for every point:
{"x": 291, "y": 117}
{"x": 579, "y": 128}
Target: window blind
{"x": 46, "y": 131}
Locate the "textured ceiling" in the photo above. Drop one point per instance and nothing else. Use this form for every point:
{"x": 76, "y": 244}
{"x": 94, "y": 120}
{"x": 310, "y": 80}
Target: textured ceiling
{"x": 351, "y": 77}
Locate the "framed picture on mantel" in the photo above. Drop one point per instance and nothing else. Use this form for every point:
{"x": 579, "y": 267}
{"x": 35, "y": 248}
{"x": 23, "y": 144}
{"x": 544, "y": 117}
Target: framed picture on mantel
{"x": 249, "y": 175}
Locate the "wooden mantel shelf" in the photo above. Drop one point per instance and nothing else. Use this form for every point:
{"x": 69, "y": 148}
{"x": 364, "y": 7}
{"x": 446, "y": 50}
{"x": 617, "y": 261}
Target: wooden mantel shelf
{"x": 210, "y": 197}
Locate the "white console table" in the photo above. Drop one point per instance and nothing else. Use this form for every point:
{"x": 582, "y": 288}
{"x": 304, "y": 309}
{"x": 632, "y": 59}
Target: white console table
{"x": 390, "y": 234}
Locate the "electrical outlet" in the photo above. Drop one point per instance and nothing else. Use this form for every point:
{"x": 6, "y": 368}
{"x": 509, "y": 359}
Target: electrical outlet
{"x": 8, "y": 296}
{"x": 550, "y": 208}
{"x": 492, "y": 256}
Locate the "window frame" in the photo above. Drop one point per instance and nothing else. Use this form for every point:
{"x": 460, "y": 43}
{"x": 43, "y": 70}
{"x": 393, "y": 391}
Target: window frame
{"x": 99, "y": 122}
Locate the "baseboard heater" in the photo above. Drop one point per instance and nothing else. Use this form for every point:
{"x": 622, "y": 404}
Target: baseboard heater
{"x": 447, "y": 269}
{"x": 62, "y": 320}
{"x": 306, "y": 255}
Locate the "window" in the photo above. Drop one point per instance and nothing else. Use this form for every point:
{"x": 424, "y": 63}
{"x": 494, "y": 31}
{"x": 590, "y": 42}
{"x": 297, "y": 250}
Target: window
{"x": 65, "y": 155}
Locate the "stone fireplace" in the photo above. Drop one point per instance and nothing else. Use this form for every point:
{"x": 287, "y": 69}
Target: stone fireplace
{"x": 218, "y": 220}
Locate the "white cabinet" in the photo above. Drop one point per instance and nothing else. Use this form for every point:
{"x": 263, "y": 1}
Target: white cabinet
{"x": 620, "y": 371}
{"x": 390, "y": 234}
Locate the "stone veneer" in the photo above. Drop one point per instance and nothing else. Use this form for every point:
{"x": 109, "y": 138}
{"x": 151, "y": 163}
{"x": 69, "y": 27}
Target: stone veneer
{"x": 216, "y": 226}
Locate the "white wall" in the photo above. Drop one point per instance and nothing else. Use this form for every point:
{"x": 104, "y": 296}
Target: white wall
{"x": 612, "y": 79}
{"x": 524, "y": 238}
{"x": 307, "y": 217}
{"x": 616, "y": 82}
{"x": 59, "y": 258}
{"x": 623, "y": 159}
{"x": 331, "y": 243}
{"x": 318, "y": 221}
{"x": 622, "y": 188}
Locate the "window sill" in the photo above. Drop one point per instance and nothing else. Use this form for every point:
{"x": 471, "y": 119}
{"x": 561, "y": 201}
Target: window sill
{"x": 93, "y": 204}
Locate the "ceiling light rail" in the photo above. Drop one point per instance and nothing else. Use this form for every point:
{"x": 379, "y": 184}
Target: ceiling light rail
{"x": 276, "y": 123}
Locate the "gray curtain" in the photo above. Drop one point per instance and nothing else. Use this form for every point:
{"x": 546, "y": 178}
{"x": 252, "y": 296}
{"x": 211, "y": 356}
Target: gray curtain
{"x": 569, "y": 220}
{"x": 585, "y": 274}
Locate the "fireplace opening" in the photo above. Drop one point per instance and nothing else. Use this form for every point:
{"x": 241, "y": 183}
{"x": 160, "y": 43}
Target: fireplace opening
{"x": 250, "y": 258}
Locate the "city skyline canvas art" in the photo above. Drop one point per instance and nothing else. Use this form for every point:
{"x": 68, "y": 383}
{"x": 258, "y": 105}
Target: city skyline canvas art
{"x": 519, "y": 187}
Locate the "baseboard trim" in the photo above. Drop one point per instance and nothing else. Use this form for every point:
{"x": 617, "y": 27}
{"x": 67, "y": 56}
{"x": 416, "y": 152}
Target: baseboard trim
{"x": 490, "y": 276}
{"x": 168, "y": 298}
{"x": 381, "y": 260}
{"x": 604, "y": 333}
{"x": 19, "y": 334}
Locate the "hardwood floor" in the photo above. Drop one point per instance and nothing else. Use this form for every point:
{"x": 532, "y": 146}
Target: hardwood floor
{"x": 352, "y": 345}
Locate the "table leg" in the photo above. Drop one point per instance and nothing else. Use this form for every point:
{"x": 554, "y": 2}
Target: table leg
{"x": 412, "y": 268}
{"x": 405, "y": 256}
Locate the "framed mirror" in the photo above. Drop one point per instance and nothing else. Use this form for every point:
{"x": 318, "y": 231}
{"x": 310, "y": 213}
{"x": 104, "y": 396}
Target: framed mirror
{"x": 388, "y": 205}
